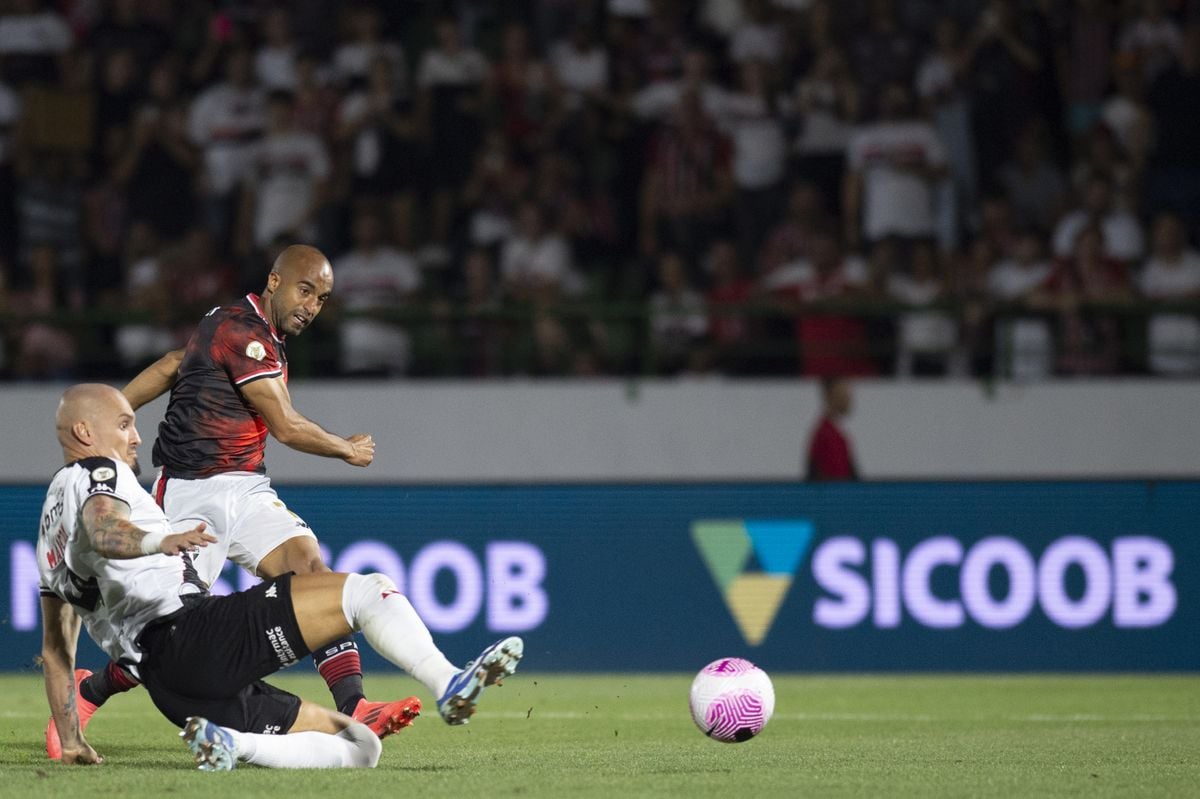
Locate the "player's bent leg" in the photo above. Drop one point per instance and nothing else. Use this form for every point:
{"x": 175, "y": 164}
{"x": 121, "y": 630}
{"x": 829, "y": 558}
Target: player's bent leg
{"x": 347, "y": 744}
{"x": 339, "y": 663}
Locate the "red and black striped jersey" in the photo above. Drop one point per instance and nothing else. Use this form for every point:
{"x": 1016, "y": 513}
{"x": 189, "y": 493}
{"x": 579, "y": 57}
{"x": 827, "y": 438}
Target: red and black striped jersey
{"x": 209, "y": 427}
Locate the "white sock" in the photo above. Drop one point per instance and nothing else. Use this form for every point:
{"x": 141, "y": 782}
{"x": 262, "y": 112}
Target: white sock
{"x": 393, "y": 629}
{"x": 354, "y": 747}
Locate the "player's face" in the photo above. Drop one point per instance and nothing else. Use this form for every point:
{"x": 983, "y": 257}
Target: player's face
{"x": 299, "y": 298}
{"x": 117, "y": 436}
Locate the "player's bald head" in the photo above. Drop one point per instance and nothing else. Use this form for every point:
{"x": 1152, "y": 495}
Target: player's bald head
{"x": 85, "y": 409}
{"x": 299, "y": 261}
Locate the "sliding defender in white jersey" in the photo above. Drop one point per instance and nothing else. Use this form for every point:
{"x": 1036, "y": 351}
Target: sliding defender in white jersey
{"x": 107, "y": 557}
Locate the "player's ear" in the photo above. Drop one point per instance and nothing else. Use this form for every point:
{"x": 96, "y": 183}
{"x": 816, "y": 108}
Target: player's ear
{"x": 273, "y": 281}
{"x": 82, "y": 432}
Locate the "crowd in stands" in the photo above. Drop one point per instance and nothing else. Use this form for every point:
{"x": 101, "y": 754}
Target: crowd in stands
{"x": 989, "y": 188}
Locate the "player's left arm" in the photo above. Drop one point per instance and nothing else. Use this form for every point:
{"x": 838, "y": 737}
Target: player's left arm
{"x": 60, "y": 635}
{"x": 155, "y": 380}
{"x": 105, "y": 519}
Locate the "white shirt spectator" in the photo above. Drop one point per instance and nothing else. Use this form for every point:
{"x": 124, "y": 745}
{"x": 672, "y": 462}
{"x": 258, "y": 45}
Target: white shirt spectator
{"x": 757, "y": 42}
{"x": 1174, "y": 339}
{"x": 381, "y": 278}
{"x": 895, "y": 200}
{"x": 677, "y": 319}
{"x": 286, "y": 170}
{"x": 759, "y": 144}
{"x": 223, "y": 121}
{"x": 275, "y": 68}
{"x": 825, "y": 129}
{"x": 439, "y": 68}
{"x": 1155, "y": 42}
{"x": 34, "y": 34}
{"x": 1024, "y": 345}
{"x": 578, "y": 71}
{"x": 800, "y": 278}
{"x": 545, "y": 261}
{"x": 659, "y": 99}
{"x": 1123, "y": 237}
{"x": 920, "y": 332}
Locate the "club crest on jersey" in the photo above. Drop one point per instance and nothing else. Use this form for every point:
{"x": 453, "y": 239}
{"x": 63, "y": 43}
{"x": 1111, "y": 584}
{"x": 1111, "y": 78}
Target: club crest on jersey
{"x": 256, "y": 351}
{"x": 102, "y": 474}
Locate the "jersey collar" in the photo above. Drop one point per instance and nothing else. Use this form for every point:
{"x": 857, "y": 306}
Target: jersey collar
{"x": 256, "y": 304}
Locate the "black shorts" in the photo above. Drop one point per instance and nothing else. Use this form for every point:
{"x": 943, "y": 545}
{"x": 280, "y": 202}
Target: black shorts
{"x": 209, "y": 660}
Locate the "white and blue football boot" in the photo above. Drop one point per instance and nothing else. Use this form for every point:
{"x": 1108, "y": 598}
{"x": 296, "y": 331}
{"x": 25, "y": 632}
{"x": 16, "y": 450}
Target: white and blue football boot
{"x": 493, "y": 664}
{"x": 211, "y": 744}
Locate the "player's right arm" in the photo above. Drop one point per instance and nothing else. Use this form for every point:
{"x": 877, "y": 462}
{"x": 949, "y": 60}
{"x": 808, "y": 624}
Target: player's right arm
{"x": 106, "y": 521}
{"x": 155, "y": 380}
{"x": 60, "y": 635}
{"x": 271, "y": 399}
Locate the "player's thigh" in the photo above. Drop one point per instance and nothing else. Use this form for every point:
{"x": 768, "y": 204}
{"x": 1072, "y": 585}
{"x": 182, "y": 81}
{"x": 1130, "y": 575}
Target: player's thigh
{"x": 189, "y": 502}
{"x": 257, "y": 707}
{"x": 221, "y": 644}
{"x": 262, "y": 525}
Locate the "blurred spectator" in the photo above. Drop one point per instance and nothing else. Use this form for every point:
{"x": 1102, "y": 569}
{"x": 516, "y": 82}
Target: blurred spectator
{"x": 1102, "y": 155}
{"x": 223, "y": 121}
{"x": 791, "y": 239}
{"x": 374, "y": 277}
{"x": 1023, "y": 343}
{"x": 10, "y": 117}
{"x": 662, "y": 99}
{"x": 480, "y": 336}
{"x": 32, "y": 37}
{"x": 381, "y": 126}
{"x": 493, "y": 193}
{"x": 49, "y": 202}
{"x": 156, "y": 165}
{"x": 285, "y": 178}
{"x": 882, "y": 52}
{"x": 144, "y": 337}
{"x": 45, "y": 349}
{"x": 759, "y": 37}
{"x": 366, "y": 42}
{"x": 892, "y": 166}
{"x": 1173, "y": 177}
{"x": 527, "y": 102}
{"x": 678, "y": 322}
{"x": 580, "y": 66}
{"x": 729, "y": 321}
{"x": 450, "y": 80}
{"x": 1006, "y": 75}
{"x": 1122, "y": 233}
{"x": 1172, "y": 274}
{"x": 316, "y": 101}
{"x": 925, "y": 339}
{"x": 827, "y": 102}
{"x": 1153, "y": 40}
{"x": 1084, "y": 286}
{"x": 536, "y": 262}
{"x": 829, "y": 456}
{"x": 751, "y": 120}
{"x": 275, "y": 61}
{"x": 1033, "y": 184}
{"x": 830, "y": 343}
{"x": 941, "y": 86}
{"x": 1084, "y": 54}
{"x": 116, "y": 100}
{"x": 688, "y": 183}
{"x": 1127, "y": 116}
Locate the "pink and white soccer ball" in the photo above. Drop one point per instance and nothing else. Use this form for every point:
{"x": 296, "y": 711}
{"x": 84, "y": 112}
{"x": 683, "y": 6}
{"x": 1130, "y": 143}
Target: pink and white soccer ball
{"x": 732, "y": 700}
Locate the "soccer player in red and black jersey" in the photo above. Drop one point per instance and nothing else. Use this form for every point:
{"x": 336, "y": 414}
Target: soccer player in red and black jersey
{"x": 228, "y": 390}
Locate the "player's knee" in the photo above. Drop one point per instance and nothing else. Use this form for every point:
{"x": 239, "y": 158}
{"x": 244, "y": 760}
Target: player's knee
{"x": 366, "y": 748}
{"x": 311, "y": 565}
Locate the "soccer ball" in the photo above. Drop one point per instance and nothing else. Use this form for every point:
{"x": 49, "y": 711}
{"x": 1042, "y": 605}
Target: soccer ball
{"x": 731, "y": 700}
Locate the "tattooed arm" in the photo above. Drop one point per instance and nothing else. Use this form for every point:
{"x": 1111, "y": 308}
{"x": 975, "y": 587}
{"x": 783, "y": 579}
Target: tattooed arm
{"x": 113, "y": 536}
{"x": 60, "y": 634}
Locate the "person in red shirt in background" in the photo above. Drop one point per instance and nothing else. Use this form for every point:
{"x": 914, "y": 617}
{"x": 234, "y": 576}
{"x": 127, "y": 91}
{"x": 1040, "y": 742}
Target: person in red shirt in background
{"x": 829, "y": 454}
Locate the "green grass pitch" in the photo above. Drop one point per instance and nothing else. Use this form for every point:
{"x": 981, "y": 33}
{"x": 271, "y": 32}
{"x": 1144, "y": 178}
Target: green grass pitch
{"x": 630, "y": 735}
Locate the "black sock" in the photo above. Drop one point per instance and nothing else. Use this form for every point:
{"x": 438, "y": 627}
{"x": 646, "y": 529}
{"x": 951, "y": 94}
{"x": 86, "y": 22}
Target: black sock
{"x": 341, "y": 667}
{"x": 103, "y": 684}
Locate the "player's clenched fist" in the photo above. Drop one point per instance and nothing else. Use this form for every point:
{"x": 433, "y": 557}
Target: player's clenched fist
{"x": 362, "y": 450}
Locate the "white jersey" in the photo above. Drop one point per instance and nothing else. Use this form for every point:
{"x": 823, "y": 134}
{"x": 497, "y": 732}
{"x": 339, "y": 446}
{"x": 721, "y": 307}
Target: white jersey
{"x": 115, "y": 598}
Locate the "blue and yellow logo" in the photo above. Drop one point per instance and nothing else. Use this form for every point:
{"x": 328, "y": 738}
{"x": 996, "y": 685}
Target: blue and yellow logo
{"x": 753, "y": 562}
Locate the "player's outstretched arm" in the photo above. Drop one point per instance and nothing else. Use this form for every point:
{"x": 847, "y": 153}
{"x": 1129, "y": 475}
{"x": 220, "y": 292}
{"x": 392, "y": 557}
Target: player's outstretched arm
{"x": 60, "y": 635}
{"x": 155, "y": 380}
{"x": 113, "y": 536}
{"x": 271, "y": 399}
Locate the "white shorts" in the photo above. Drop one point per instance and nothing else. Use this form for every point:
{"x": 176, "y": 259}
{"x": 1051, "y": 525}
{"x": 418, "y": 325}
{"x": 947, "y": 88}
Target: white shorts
{"x": 240, "y": 509}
